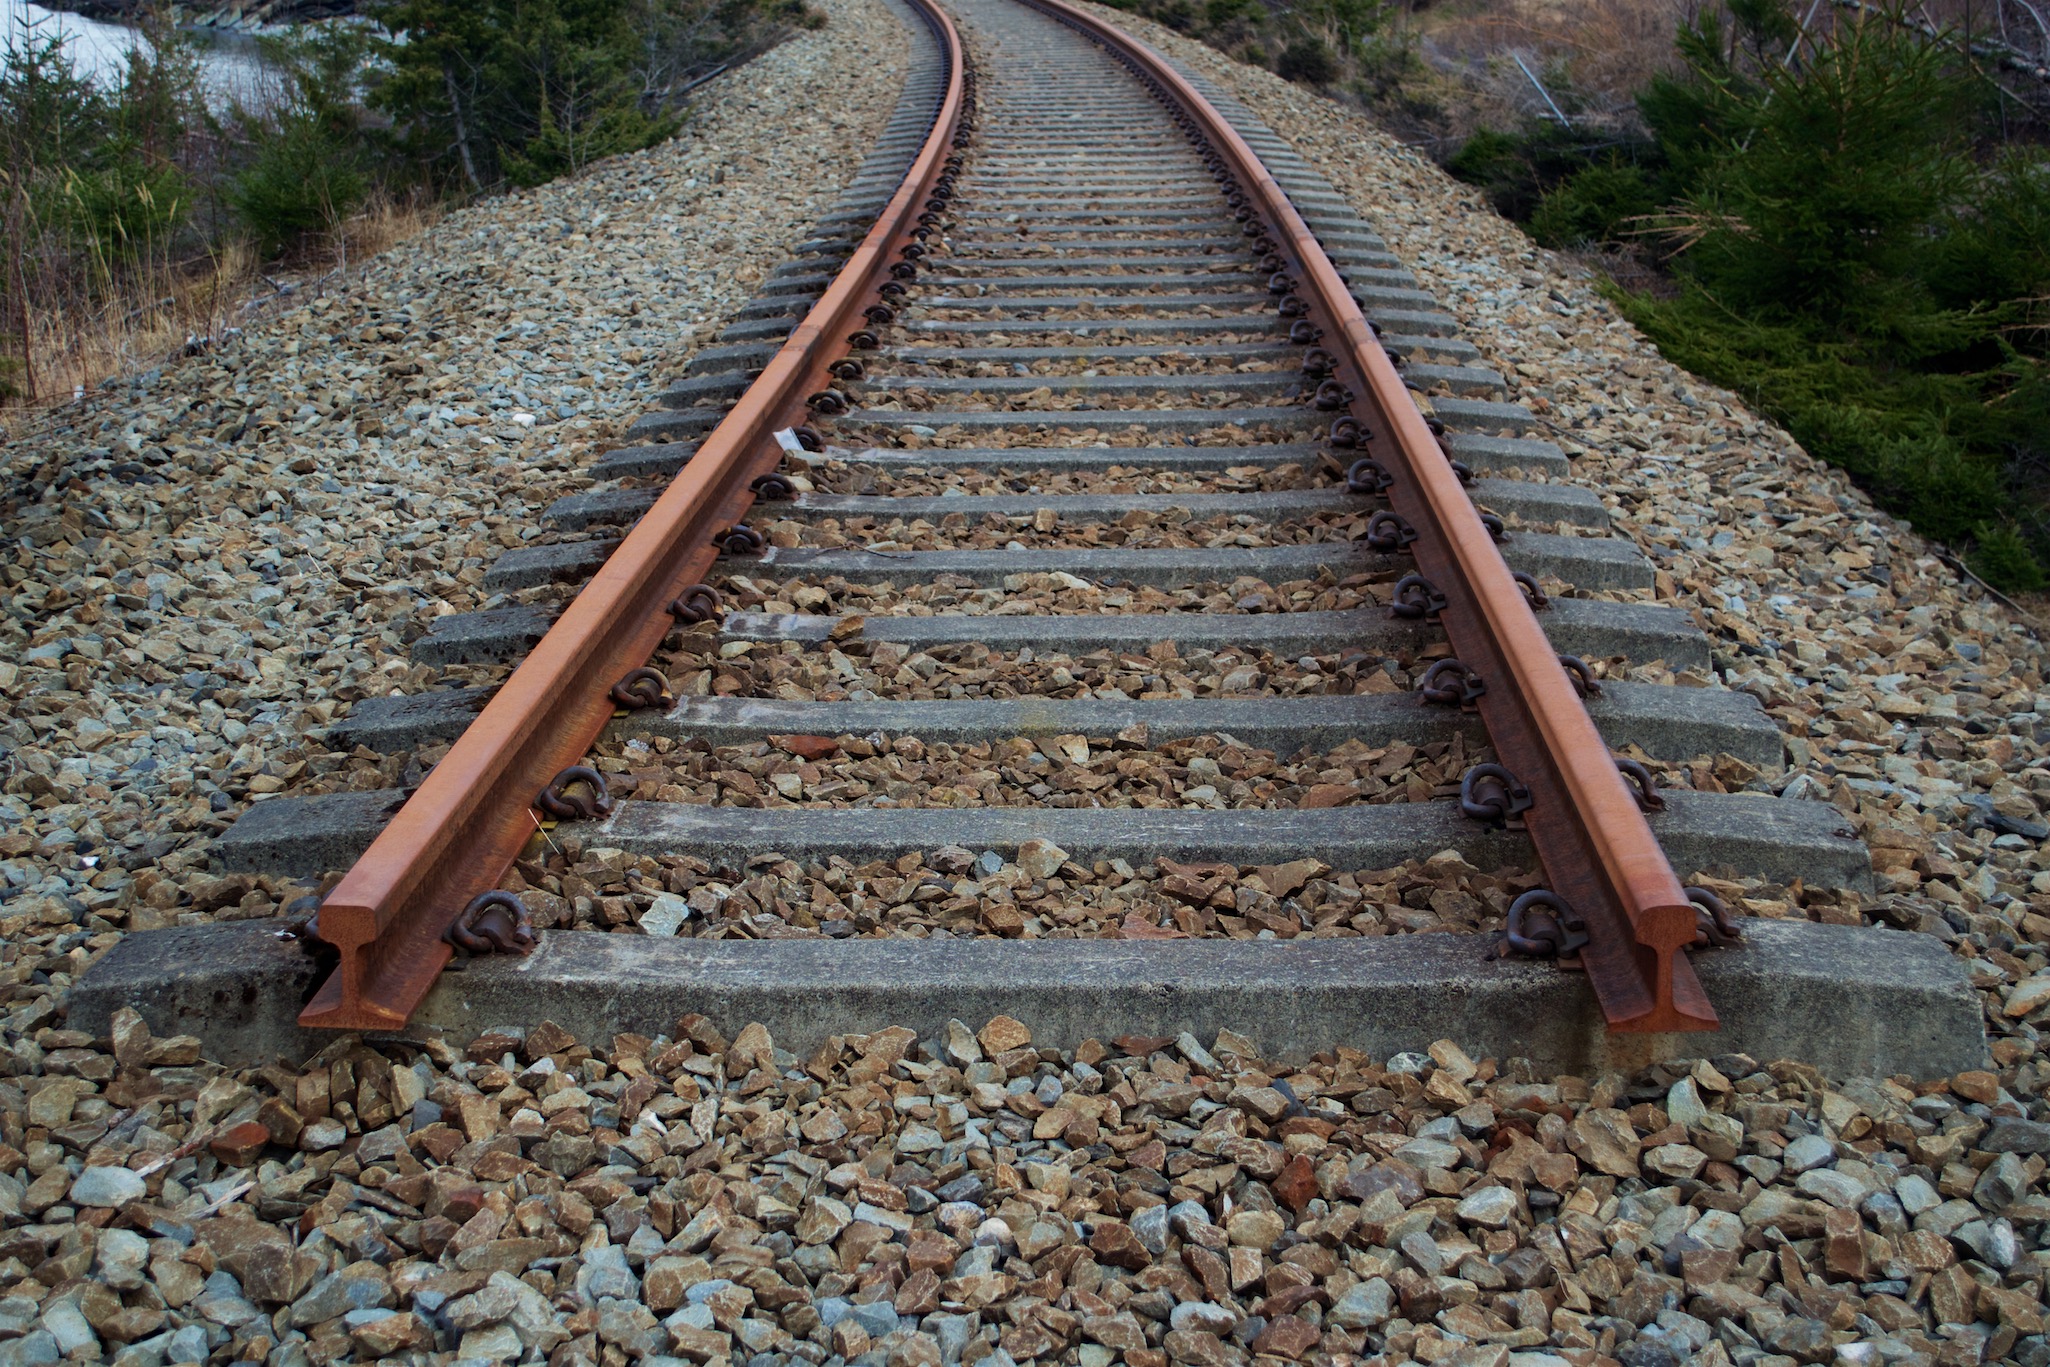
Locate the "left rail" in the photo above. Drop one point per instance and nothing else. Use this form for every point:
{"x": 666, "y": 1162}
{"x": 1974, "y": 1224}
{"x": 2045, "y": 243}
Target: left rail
{"x": 459, "y": 832}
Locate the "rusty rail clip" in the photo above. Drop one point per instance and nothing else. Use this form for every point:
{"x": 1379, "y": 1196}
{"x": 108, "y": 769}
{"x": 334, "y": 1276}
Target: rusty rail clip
{"x": 493, "y": 922}
{"x": 563, "y": 805}
{"x": 739, "y": 539}
{"x": 698, "y": 603}
{"x": 1580, "y": 676}
{"x": 1492, "y": 794}
{"x": 1543, "y": 925}
{"x": 1416, "y": 596}
{"x": 1367, "y": 476}
{"x": 643, "y": 687}
{"x": 1713, "y": 924}
{"x": 1463, "y": 689}
{"x": 1644, "y": 787}
{"x": 1389, "y": 532}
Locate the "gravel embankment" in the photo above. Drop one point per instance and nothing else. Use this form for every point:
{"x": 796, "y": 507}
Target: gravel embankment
{"x": 209, "y": 564}
{"x": 1911, "y": 698}
{"x": 897, "y": 1202}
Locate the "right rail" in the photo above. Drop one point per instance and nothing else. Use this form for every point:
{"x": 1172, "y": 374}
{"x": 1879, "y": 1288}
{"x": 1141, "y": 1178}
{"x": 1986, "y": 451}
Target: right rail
{"x": 1598, "y": 852}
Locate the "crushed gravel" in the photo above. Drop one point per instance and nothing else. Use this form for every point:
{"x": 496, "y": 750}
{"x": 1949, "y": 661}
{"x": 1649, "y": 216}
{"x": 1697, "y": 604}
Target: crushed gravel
{"x": 208, "y": 564}
{"x": 860, "y": 670}
{"x": 1912, "y": 699}
{"x": 971, "y": 1198}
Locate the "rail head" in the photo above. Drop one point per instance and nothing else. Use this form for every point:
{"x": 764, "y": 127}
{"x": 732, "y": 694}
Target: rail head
{"x": 1598, "y": 852}
{"x": 459, "y": 832}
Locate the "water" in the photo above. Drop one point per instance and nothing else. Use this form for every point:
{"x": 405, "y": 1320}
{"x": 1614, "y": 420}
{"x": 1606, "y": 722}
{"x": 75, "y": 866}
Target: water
{"x": 230, "y": 66}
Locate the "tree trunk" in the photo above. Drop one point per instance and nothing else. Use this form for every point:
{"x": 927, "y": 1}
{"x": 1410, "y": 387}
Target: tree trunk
{"x": 455, "y": 105}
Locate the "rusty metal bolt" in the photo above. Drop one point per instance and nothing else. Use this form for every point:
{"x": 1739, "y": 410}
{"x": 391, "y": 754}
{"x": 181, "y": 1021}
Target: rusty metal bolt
{"x": 496, "y": 922}
{"x": 1367, "y": 476}
{"x": 1331, "y": 396}
{"x": 739, "y": 539}
{"x": 1543, "y": 925}
{"x": 642, "y": 688}
{"x": 559, "y": 802}
{"x": 1389, "y": 532}
{"x": 1643, "y": 786}
{"x": 1713, "y": 925}
{"x": 1449, "y": 683}
{"x": 698, "y": 603}
{"x": 1492, "y": 794}
{"x": 1416, "y": 596}
{"x": 1580, "y": 676}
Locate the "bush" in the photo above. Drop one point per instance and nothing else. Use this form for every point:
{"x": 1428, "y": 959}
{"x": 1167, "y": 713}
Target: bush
{"x": 521, "y": 90}
{"x": 121, "y": 208}
{"x": 1851, "y": 249}
{"x": 1219, "y": 14}
{"x": 1309, "y": 61}
{"x": 1518, "y": 171}
{"x": 2002, "y": 557}
{"x": 1595, "y": 205}
{"x": 301, "y": 180}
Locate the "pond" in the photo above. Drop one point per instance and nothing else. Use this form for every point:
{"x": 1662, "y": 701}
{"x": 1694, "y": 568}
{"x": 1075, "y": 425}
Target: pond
{"x": 231, "y": 67}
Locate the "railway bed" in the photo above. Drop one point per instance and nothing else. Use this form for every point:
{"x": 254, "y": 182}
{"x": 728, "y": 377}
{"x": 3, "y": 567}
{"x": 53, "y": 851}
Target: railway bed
{"x": 1092, "y": 437}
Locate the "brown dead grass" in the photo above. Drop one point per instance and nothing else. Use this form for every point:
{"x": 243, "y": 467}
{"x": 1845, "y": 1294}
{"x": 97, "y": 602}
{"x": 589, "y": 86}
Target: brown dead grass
{"x": 152, "y": 314}
{"x": 1607, "y": 50}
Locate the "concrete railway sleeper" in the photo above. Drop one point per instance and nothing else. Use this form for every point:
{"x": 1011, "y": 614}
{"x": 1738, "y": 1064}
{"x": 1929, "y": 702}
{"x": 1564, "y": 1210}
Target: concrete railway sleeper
{"x": 1092, "y": 535}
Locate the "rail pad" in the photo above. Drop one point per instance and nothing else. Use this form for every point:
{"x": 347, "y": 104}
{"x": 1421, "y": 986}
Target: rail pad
{"x": 1850, "y": 1001}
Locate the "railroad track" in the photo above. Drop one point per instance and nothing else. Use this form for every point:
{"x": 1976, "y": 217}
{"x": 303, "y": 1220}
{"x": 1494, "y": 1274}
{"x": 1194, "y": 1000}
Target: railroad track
{"x": 1094, "y": 441}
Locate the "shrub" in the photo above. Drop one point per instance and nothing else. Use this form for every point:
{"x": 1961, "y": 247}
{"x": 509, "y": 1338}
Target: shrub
{"x": 1219, "y": 14}
{"x": 301, "y": 180}
{"x": 1851, "y": 248}
{"x": 121, "y": 208}
{"x": 1595, "y": 205}
{"x": 1517, "y": 171}
{"x": 2002, "y": 557}
{"x": 1309, "y": 61}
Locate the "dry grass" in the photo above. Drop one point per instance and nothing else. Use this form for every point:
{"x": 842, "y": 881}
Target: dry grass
{"x": 385, "y": 222}
{"x": 140, "y": 318}
{"x": 1605, "y": 50}
{"x": 148, "y": 313}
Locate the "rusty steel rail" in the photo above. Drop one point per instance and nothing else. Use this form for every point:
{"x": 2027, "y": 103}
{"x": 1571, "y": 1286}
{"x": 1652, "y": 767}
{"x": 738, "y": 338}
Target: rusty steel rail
{"x": 458, "y": 834}
{"x": 1598, "y": 853}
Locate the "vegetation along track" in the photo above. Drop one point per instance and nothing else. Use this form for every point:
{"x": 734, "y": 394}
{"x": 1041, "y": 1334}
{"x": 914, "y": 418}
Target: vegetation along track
{"x": 1102, "y": 513}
